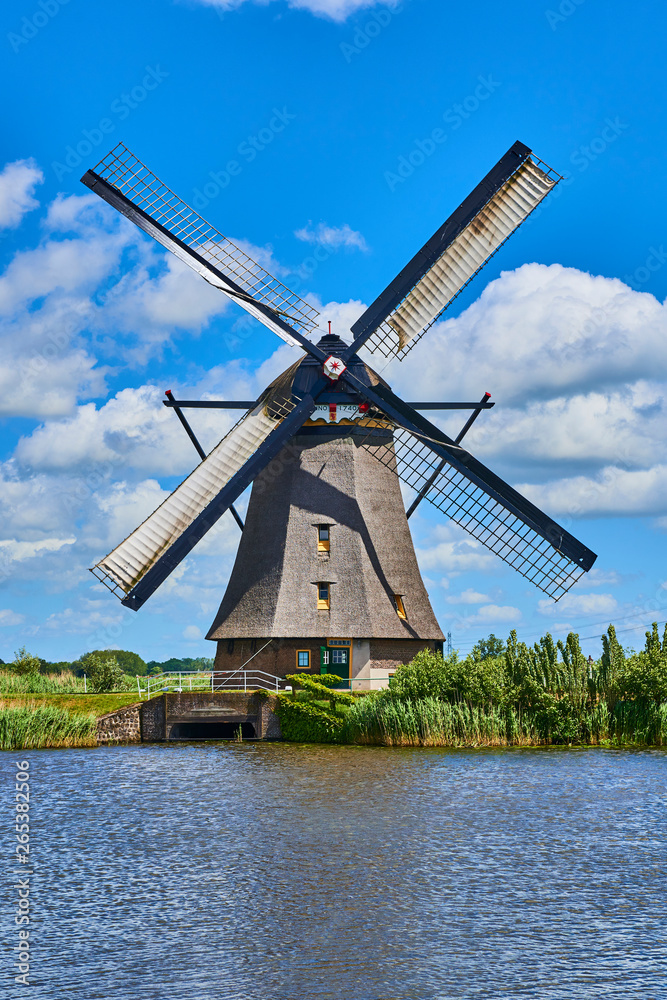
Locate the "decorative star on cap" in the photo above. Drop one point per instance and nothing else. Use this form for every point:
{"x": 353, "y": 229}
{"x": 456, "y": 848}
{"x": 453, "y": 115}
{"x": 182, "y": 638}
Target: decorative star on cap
{"x": 334, "y": 367}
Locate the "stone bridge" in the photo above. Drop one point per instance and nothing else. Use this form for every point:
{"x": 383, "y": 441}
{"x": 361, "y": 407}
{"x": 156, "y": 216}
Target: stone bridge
{"x": 193, "y": 715}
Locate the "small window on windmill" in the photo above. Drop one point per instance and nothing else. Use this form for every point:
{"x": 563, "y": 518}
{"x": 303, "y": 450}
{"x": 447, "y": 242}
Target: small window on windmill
{"x": 323, "y": 538}
{"x": 303, "y": 659}
{"x": 399, "y": 606}
{"x": 323, "y": 597}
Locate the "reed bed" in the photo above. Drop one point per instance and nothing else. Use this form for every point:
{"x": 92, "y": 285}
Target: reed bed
{"x": 35, "y": 726}
{"x": 63, "y": 683}
{"x": 35, "y": 683}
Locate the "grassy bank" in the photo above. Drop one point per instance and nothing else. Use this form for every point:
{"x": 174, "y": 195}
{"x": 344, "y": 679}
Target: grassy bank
{"x": 97, "y": 704}
{"x": 32, "y": 721}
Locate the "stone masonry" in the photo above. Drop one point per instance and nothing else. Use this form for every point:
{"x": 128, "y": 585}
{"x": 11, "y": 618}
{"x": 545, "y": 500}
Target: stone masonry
{"x": 121, "y": 726}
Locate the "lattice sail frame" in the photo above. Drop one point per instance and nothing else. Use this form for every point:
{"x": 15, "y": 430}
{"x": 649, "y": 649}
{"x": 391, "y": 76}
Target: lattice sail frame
{"x": 128, "y": 563}
{"x": 478, "y": 513}
{"x": 465, "y": 256}
{"x": 124, "y": 171}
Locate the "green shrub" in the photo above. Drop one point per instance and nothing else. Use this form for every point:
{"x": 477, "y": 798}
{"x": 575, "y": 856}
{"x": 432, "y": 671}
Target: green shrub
{"x": 310, "y": 682}
{"x": 302, "y": 722}
{"x": 103, "y": 672}
{"x": 25, "y": 663}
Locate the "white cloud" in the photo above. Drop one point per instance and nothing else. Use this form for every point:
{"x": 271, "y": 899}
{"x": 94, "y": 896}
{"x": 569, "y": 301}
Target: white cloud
{"x": 579, "y": 604}
{"x": 490, "y": 614}
{"x": 192, "y": 633}
{"x": 19, "y": 551}
{"x": 18, "y": 181}
{"x": 335, "y": 10}
{"x": 602, "y": 578}
{"x": 9, "y": 617}
{"x": 613, "y": 492}
{"x": 541, "y": 332}
{"x": 332, "y": 236}
{"x": 93, "y": 615}
{"x": 468, "y": 596}
{"x": 451, "y": 551}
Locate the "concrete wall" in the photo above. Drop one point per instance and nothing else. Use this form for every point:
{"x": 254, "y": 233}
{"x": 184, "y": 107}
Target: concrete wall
{"x": 157, "y": 720}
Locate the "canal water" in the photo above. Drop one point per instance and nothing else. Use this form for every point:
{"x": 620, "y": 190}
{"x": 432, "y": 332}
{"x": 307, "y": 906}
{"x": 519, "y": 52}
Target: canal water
{"x": 216, "y": 871}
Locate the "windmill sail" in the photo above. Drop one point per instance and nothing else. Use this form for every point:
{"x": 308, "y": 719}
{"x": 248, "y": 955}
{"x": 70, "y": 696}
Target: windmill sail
{"x": 126, "y": 183}
{"x": 127, "y": 565}
{"x": 474, "y": 497}
{"x": 403, "y": 313}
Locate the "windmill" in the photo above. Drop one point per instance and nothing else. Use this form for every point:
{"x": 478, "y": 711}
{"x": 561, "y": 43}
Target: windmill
{"x": 326, "y": 575}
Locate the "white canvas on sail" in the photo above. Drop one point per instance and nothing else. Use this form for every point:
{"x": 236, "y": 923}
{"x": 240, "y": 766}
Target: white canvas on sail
{"x": 130, "y": 560}
{"x": 462, "y": 259}
{"x": 179, "y": 224}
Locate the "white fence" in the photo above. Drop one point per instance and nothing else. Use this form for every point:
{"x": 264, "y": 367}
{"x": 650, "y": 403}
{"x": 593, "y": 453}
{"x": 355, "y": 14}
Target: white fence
{"x": 209, "y": 680}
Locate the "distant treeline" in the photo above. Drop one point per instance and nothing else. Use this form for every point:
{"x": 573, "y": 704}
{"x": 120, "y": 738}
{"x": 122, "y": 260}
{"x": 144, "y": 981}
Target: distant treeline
{"x": 129, "y": 662}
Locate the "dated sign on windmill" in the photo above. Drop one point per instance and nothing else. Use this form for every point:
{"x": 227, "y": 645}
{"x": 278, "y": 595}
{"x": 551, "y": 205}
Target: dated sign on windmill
{"x": 326, "y": 576}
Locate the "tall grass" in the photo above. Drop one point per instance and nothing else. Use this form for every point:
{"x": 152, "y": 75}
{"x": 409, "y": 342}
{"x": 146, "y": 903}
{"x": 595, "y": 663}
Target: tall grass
{"x": 32, "y": 727}
{"x": 63, "y": 683}
{"x": 433, "y": 722}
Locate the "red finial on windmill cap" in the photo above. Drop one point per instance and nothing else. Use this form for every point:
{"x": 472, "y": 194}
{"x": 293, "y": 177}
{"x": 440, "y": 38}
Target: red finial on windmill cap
{"x": 329, "y": 327}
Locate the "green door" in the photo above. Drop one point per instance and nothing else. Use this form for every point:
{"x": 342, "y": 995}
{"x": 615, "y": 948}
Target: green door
{"x": 339, "y": 663}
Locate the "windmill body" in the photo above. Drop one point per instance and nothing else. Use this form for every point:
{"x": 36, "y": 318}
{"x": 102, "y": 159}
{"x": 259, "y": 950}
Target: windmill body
{"x": 326, "y": 577}
{"x": 326, "y": 567}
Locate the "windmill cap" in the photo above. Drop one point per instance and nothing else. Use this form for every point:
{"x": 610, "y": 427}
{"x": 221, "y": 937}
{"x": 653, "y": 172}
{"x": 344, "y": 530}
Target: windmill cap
{"x": 331, "y": 342}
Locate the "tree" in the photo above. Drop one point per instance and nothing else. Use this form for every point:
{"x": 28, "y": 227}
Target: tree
{"x": 129, "y": 663}
{"x": 493, "y": 646}
{"x": 24, "y": 662}
{"x": 102, "y": 670}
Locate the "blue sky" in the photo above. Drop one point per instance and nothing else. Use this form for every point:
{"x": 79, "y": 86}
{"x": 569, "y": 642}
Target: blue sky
{"x": 318, "y": 102}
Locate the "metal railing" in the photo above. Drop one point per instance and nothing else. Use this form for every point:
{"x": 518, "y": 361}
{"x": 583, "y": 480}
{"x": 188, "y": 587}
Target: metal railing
{"x": 208, "y": 680}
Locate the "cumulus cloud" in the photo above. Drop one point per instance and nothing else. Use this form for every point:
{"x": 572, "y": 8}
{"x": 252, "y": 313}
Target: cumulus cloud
{"x": 192, "y": 633}
{"x": 577, "y": 364}
{"x": 489, "y": 615}
{"x": 613, "y": 492}
{"x": 451, "y": 551}
{"x": 542, "y": 332}
{"x": 18, "y": 181}
{"x": 579, "y": 604}
{"x": 9, "y": 617}
{"x": 468, "y": 596}
{"x": 93, "y": 289}
{"x": 334, "y": 237}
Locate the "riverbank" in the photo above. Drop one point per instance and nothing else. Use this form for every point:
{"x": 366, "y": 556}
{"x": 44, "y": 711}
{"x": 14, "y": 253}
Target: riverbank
{"x": 38, "y": 721}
